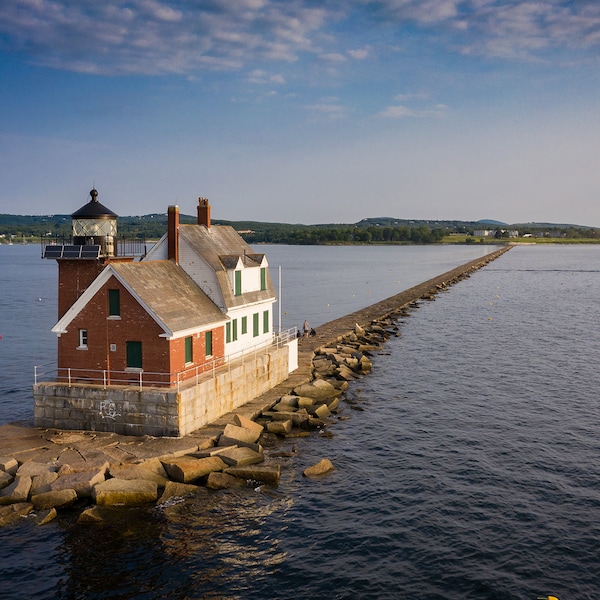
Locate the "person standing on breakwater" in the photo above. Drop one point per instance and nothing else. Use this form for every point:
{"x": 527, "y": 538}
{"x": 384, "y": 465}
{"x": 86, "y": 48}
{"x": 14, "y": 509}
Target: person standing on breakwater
{"x": 306, "y": 328}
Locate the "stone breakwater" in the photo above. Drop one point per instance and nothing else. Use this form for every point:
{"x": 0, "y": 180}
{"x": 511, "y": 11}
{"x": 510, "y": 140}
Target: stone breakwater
{"x": 45, "y": 471}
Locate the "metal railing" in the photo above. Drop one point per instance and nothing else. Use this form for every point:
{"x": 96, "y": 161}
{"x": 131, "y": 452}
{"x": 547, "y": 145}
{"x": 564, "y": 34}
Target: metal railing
{"x": 122, "y": 246}
{"x": 139, "y": 378}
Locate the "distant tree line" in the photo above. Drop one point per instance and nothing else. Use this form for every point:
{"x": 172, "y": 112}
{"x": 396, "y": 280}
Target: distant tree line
{"x": 367, "y": 231}
{"x": 323, "y": 234}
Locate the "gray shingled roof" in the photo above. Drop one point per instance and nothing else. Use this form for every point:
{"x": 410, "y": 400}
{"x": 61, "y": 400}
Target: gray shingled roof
{"x": 215, "y": 242}
{"x": 221, "y": 246}
{"x": 170, "y": 293}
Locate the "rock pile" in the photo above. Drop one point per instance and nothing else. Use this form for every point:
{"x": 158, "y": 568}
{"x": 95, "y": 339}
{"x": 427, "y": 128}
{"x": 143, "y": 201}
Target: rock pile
{"x": 227, "y": 461}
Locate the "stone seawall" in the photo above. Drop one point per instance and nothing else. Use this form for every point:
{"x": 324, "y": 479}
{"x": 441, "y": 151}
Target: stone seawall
{"x": 43, "y": 470}
{"x": 156, "y": 411}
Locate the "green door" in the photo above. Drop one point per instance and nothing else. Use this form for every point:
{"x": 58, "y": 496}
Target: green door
{"x": 134, "y": 355}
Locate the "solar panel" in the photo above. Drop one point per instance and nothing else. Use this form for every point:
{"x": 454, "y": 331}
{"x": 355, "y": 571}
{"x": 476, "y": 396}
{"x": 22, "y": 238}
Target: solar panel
{"x": 71, "y": 251}
{"x": 53, "y": 251}
{"x": 90, "y": 251}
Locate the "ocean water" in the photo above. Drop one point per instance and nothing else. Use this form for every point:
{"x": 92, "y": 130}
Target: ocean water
{"x": 466, "y": 465}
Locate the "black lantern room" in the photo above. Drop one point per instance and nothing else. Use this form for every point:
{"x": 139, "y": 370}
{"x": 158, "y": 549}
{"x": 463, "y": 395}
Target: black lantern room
{"x": 94, "y": 224}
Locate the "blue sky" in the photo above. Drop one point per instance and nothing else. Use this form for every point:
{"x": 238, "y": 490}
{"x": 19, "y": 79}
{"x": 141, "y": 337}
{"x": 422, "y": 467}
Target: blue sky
{"x": 303, "y": 111}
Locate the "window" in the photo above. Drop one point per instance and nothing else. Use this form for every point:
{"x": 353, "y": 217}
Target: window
{"x": 244, "y": 325}
{"x": 255, "y": 318}
{"x": 189, "y": 350}
{"x": 234, "y": 335}
{"x": 263, "y": 278}
{"x": 83, "y": 338}
{"x": 114, "y": 303}
{"x": 208, "y": 343}
{"x": 134, "y": 355}
{"x": 228, "y": 332}
{"x": 266, "y": 321}
{"x": 238, "y": 283}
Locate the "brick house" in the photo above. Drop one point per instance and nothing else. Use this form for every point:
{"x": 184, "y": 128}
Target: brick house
{"x": 200, "y": 296}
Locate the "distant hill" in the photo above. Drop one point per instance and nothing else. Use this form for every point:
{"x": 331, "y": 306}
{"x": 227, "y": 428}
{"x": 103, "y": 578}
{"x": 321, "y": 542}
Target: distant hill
{"x": 492, "y": 222}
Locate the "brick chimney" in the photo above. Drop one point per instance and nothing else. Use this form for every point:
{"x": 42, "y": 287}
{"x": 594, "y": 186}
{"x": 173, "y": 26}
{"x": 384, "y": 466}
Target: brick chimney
{"x": 173, "y": 234}
{"x": 203, "y": 212}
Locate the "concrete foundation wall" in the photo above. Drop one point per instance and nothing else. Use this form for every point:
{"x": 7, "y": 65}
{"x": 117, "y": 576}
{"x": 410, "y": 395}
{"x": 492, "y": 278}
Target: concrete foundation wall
{"x": 161, "y": 412}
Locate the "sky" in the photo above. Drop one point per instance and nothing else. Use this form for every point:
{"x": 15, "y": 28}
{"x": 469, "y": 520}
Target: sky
{"x": 303, "y": 111}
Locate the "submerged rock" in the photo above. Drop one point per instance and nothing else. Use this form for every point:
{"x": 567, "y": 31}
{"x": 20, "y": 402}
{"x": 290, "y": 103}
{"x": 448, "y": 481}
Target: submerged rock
{"x": 322, "y": 467}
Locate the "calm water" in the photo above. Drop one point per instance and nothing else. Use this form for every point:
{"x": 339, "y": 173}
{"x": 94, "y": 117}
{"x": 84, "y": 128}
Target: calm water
{"x": 472, "y": 470}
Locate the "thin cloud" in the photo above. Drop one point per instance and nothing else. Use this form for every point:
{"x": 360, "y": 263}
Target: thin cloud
{"x": 328, "y": 109}
{"x": 114, "y": 37}
{"x": 359, "y": 53}
{"x": 401, "y": 111}
{"x": 263, "y": 78}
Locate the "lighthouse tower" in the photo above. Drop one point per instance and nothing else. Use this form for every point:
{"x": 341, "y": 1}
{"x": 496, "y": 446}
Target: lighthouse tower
{"x": 94, "y": 234}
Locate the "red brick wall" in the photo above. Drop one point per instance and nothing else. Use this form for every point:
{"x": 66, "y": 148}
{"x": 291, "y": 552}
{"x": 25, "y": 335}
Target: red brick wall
{"x": 74, "y": 277}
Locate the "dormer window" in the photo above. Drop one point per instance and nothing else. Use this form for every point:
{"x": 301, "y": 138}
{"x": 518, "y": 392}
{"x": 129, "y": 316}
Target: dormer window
{"x": 263, "y": 278}
{"x": 238, "y": 283}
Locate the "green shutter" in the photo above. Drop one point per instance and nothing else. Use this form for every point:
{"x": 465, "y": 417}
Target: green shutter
{"x": 244, "y": 325}
{"x": 189, "y": 357}
{"x": 208, "y": 343}
{"x": 266, "y": 321}
{"x": 255, "y": 321}
{"x": 263, "y": 278}
{"x": 134, "y": 355}
{"x": 114, "y": 305}
{"x": 234, "y": 335}
{"x": 238, "y": 283}
{"x": 228, "y": 332}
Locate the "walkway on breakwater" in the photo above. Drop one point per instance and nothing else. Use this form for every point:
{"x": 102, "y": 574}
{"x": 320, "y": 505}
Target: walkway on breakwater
{"x": 90, "y": 448}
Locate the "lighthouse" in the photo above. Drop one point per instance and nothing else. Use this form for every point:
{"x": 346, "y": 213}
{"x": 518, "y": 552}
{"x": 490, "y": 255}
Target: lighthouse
{"x": 92, "y": 247}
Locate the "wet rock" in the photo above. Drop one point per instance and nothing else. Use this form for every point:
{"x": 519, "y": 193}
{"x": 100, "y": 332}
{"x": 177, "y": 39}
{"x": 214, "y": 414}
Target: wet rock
{"x": 125, "y": 491}
{"x": 16, "y": 492}
{"x": 280, "y": 427}
{"x": 304, "y": 402}
{"x": 138, "y": 472}
{"x": 262, "y": 473}
{"x": 174, "y": 489}
{"x": 45, "y": 516}
{"x": 322, "y": 411}
{"x": 9, "y": 515}
{"x": 82, "y": 482}
{"x": 322, "y": 467}
{"x": 93, "y": 514}
{"x": 239, "y": 457}
{"x": 59, "y": 499}
{"x": 5, "y": 479}
{"x": 41, "y": 483}
{"x": 318, "y": 389}
{"x": 223, "y": 481}
{"x": 186, "y": 468}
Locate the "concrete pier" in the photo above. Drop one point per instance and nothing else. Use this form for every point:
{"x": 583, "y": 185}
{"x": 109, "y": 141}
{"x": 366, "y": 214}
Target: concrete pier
{"x": 89, "y": 447}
